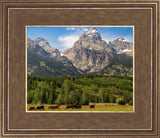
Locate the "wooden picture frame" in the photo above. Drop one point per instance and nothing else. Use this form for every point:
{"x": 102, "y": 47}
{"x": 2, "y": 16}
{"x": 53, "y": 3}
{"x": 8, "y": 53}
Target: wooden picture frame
{"x": 143, "y": 15}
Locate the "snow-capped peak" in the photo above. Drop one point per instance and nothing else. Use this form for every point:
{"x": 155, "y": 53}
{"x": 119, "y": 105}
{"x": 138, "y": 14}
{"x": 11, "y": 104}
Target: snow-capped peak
{"x": 91, "y": 31}
{"x": 91, "y": 34}
{"x": 127, "y": 50}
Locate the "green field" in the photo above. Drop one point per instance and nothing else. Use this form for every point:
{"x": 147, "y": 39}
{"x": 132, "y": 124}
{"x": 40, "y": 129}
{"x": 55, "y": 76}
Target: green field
{"x": 102, "y": 107}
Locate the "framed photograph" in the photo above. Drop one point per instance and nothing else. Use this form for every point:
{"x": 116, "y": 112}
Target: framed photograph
{"x": 83, "y": 72}
{"x": 79, "y": 68}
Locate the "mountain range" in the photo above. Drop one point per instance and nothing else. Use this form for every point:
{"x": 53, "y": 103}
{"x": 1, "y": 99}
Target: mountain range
{"x": 89, "y": 55}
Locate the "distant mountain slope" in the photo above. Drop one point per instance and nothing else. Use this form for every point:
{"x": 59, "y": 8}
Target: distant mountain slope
{"x": 47, "y": 67}
{"x": 120, "y": 64}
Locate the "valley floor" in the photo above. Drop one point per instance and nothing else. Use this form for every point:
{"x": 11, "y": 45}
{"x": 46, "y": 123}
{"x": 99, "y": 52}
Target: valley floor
{"x": 98, "y": 107}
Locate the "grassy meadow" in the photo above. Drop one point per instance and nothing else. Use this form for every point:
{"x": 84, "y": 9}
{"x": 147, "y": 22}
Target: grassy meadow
{"x": 101, "y": 107}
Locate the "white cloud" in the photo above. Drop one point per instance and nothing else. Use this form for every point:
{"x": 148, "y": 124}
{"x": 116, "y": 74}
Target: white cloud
{"x": 78, "y": 29}
{"x": 70, "y": 28}
{"x": 67, "y": 41}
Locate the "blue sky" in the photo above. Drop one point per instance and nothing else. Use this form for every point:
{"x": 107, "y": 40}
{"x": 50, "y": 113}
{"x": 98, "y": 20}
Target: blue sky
{"x": 64, "y": 37}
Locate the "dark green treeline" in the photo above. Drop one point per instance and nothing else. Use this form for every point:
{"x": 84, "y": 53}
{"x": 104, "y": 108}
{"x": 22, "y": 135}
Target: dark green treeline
{"x": 80, "y": 90}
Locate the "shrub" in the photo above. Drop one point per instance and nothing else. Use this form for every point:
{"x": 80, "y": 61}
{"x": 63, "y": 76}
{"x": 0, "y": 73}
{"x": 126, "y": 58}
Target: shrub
{"x": 120, "y": 101}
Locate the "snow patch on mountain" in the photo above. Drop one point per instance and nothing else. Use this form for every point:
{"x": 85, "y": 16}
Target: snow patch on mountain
{"x": 90, "y": 35}
{"x": 61, "y": 53}
{"x": 94, "y": 31}
{"x": 127, "y": 50}
{"x": 91, "y": 31}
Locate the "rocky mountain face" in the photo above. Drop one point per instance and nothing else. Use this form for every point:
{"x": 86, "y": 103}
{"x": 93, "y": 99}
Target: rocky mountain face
{"x": 42, "y": 47}
{"x": 44, "y": 60}
{"x": 91, "y": 39}
{"x": 88, "y": 60}
{"x": 90, "y": 54}
{"x": 121, "y": 46}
